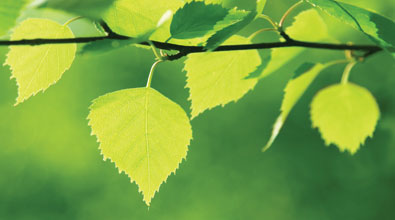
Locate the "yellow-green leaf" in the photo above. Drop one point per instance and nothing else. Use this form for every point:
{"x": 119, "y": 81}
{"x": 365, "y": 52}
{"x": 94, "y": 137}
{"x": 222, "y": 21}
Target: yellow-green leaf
{"x": 136, "y": 17}
{"x": 218, "y": 78}
{"x": 345, "y": 114}
{"x": 260, "y": 5}
{"x": 103, "y": 46}
{"x": 294, "y": 90}
{"x": 35, "y": 68}
{"x": 308, "y": 26}
{"x": 9, "y": 12}
{"x": 88, "y": 8}
{"x": 144, "y": 133}
{"x": 378, "y": 28}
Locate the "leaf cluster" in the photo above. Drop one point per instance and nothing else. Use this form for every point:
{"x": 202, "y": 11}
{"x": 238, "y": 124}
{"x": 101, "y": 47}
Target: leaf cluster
{"x": 146, "y": 134}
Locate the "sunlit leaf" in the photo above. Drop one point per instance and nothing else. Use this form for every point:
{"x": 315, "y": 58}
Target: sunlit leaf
{"x": 249, "y": 5}
{"x": 103, "y": 46}
{"x": 35, "y": 68}
{"x": 134, "y": 18}
{"x": 218, "y": 78}
{"x": 144, "y": 133}
{"x": 260, "y": 5}
{"x": 378, "y": 28}
{"x": 218, "y": 2}
{"x": 345, "y": 114}
{"x": 9, "y": 12}
{"x": 88, "y": 8}
{"x": 294, "y": 90}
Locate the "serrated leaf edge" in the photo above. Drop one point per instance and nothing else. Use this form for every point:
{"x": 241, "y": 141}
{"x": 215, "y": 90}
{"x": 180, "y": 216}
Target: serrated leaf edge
{"x": 124, "y": 171}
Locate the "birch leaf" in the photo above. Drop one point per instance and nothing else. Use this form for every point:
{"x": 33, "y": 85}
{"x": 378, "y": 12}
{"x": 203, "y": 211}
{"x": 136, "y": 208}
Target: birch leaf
{"x": 144, "y": 133}
{"x": 218, "y": 78}
{"x": 195, "y": 19}
{"x": 345, "y": 114}
{"x": 35, "y": 68}
{"x": 294, "y": 90}
{"x": 134, "y": 18}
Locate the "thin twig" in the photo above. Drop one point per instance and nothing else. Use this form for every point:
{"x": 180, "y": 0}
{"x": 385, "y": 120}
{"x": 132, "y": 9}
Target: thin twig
{"x": 287, "y": 13}
{"x": 185, "y": 50}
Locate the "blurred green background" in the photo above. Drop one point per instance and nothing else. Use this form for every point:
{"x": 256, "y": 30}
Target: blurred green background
{"x": 51, "y": 167}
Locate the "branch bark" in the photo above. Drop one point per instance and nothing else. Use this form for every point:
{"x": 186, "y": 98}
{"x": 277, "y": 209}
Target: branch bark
{"x": 185, "y": 50}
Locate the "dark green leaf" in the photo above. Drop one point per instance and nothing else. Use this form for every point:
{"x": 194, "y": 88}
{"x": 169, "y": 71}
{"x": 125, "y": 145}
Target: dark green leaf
{"x": 296, "y": 87}
{"x": 103, "y": 46}
{"x": 196, "y": 19}
{"x": 244, "y": 18}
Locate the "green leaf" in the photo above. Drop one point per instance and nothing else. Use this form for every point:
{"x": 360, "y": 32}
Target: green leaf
{"x": 35, "y": 68}
{"x": 134, "y": 18}
{"x": 9, "y": 12}
{"x": 196, "y": 19}
{"x": 88, "y": 8}
{"x": 103, "y": 46}
{"x": 260, "y": 5}
{"x": 217, "y": 2}
{"x": 233, "y": 23}
{"x": 249, "y": 5}
{"x": 233, "y": 17}
{"x": 294, "y": 90}
{"x": 378, "y": 28}
{"x": 218, "y": 78}
{"x": 144, "y": 133}
{"x": 345, "y": 114}
{"x": 308, "y": 26}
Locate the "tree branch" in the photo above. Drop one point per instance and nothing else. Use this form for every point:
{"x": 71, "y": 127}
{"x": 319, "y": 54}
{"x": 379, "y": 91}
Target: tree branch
{"x": 185, "y": 50}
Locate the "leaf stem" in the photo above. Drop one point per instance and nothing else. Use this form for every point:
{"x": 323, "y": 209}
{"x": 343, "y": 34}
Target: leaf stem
{"x": 72, "y": 20}
{"x": 269, "y": 19}
{"x": 287, "y": 13}
{"x": 347, "y": 71}
{"x": 335, "y": 62}
{"x": 158, "y": 57}
{"x": 253, "y": 35}
{"x": 151, "y": 73}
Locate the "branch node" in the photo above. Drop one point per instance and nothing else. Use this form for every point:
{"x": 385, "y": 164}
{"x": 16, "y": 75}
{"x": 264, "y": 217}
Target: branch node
{"x": 286, "y": 37}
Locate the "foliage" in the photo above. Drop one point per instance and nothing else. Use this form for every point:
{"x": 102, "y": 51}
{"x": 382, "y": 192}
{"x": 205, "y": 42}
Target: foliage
{"x": 81, "y": 7}
{"x": 378, "y": 28}
{"x": 147, "y": 135}
{"x": 296, "y": 87}
{"x": 37, "y": 68}
{"x": 147, "y": 155}
{"x": 346, "y": 115}
{"x": 314, "y": 30}
{"x": 218, "y": 78}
